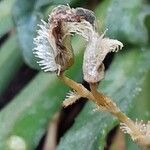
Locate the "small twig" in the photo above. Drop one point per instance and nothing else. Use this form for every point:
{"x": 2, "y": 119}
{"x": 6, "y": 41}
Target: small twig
{"x": 79, "y": 88}
{"x": 102, "y": 101}
{"x": 51, "y": 138}
{"x": 114, "y": 110}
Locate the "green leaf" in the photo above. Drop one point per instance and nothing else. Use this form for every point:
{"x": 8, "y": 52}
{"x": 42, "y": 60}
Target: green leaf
{"x": 122, "y": 83}
{"x": 27, "y": 14}
{"x": 6, "y": 22}
{"x": 124, "y": 20}
{"x": 10, "y": 62}
{"x": 29, "y": 113}
{"x": 26, "y": 19}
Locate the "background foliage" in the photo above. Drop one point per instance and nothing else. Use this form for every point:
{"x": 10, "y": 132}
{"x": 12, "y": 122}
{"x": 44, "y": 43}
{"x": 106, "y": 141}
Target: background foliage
{"x": 32, "y": 107}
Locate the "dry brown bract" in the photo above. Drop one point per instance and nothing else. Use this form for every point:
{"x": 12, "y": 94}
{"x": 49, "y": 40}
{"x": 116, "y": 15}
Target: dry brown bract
{"x": 53, "y": 45}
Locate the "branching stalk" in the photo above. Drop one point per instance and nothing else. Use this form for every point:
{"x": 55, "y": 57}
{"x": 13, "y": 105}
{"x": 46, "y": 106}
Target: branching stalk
{"x": 111, "y": 107}
{"x": 103, "y": 102}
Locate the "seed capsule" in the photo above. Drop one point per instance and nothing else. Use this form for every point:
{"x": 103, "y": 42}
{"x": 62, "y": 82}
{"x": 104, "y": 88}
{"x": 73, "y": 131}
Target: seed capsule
{"x": 53, "y": 43}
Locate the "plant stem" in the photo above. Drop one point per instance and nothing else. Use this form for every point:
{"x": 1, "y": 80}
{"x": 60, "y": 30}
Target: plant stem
{"x": 111, "y": 107}
{"x": 102, "y": 101}
{"x": 79, "y": 88}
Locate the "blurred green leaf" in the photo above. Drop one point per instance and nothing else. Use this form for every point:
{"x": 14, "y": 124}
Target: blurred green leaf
{"x": 10, "y": 61}
{"x": 124, "y": 20}
{"x": 141, "y": 109}
{"x": 27, "y": 14}
{"x": 42, "y": 3}
{"x": 26, "y": 19}
{"x": 29, "y": 113}
{"x": 122, "y": 83}
{"x": 6, "y": 22}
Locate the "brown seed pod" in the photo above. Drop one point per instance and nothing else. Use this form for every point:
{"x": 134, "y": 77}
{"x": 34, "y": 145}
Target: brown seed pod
{"x": 53, "y": 43}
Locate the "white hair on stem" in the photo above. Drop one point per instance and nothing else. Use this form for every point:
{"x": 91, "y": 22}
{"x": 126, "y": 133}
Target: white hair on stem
{"x": 144, "y": 128}
{"x": 71, "y": 98}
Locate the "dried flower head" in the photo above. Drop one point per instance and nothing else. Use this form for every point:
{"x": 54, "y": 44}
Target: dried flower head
{"x": 97, "y": 49}
{"x": 143, "y": 128}
{"x": 53, "y": 44}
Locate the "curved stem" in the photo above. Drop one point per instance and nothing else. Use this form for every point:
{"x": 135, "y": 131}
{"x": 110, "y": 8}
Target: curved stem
{"x": 102, "y": 101}
{"x": 113, "y": 109}
{"x": 79, "y": 88}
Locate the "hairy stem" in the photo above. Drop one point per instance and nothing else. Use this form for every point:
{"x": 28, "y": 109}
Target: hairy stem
{"x": 111, "y": 107}
{"x": 102, "y": 101}
{"x": 79, "y": 88}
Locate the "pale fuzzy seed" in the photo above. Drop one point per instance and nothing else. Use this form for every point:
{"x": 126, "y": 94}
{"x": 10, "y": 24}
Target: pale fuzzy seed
{"x": 97, "y": 49}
